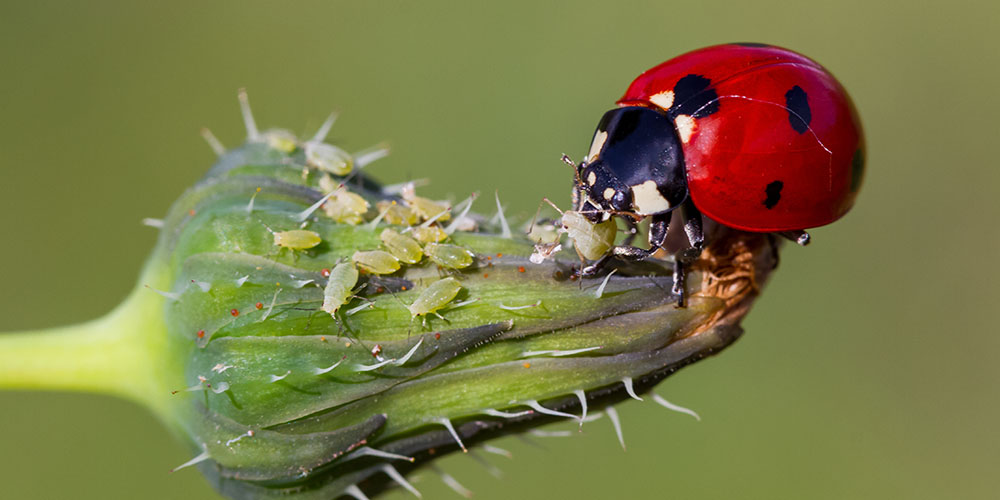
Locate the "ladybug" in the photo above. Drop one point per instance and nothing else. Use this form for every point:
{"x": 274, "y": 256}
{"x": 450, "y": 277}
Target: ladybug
{"x": 751, "y": 136}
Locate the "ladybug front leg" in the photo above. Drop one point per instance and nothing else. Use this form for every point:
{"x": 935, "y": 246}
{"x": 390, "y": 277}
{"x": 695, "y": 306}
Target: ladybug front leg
{"x": 684, "y": 258}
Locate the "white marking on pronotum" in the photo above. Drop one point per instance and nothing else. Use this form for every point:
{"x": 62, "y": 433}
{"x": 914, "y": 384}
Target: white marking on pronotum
{"x": 600, "y": 289}
{"x": 630, "y": 389}
{"x": 600, "y": 137}
{"x": 355, "y": 492}
{"x": 376, "y": 366}
{"x": 409, "y": 354}
{"x": 321, "y": 371}
{"x": 535, "y": 405}
{"x": 609, "y": 193}
{"x": 465, "y": 211}
{"x": 557, "y": 353}
{"x": 324, "y": 129}
{"x": 670, "y": 406}
{"x": 151, "y": 222}
{"x": 271, "y": 307}
{"x": 168, "y": 295}
{"x": 503, "y": 414}
{"x": 253, "y": 198}
{"x": 613, "y": 415}
{"x": 368, "y": 156}
{"x": 213, "y": 141}
{"x": 400, "y": 480}
{"x": 492, "y": 469}
{"x": 248, "y": 121}
{"x": 592, "y": 178}
{"x": 241, "y": 281}
{"x": 303, "y": 215}
{"x": 236, "y": 439}
{"x": 447, "y": 424}
{"x": 664, "y": 99}
{"x": 582, "y": 396}
{"x": 647, "y": 198}
{"x": 504, "y": 227}
{"x": 452, "y": 482}
{"x": 685, "y": 127}
{"x": 488, "y": 448}
{"x": 200, "y": 458}
{"x": 549, "y": 434}
{"x": 274, "y": 378}
{"x": 518, "y": 308}
{"x": 372, "y": 452}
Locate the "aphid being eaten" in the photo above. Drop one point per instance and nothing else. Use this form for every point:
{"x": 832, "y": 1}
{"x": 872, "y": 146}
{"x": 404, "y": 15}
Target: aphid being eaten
{"x": 435, "y": 297}
{"x": 376, "y": 261}
{"x": 449, "y": 256}
{"x": 402, "y": 247}
{"x": 338, "y": 288}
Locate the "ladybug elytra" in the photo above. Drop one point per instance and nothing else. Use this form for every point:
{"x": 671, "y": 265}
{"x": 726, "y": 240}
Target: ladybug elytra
{"x": 752, "y": 136}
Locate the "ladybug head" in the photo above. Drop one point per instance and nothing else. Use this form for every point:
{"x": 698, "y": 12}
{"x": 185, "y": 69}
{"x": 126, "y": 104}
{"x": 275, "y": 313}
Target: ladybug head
{"x": 635, "y": 166}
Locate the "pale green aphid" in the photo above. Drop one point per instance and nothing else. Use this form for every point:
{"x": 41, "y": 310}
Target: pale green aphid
{"x": 402, "y": 247}
{"x": 434, "y": 297}
{"x": 592, "y": 241}
{"x": 281, "y": 139}
{"x": 396, "y": 214}
{"x": 429, "y": 234}
{"x": 337, "y": 292}
{"x": 296, "y": 239}
{"x": 449, "y": 256}
{"x": 376, "y": 261}
{"x": 328, "y": 158}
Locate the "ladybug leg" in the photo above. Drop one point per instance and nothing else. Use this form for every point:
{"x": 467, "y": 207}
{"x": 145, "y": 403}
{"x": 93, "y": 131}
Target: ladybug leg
{"x": 684, "y": 258}
{"x": 801, "y": 238}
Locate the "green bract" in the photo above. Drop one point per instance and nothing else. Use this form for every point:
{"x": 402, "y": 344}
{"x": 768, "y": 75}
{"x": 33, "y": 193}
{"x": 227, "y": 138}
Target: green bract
{"x": 287, "y": 384}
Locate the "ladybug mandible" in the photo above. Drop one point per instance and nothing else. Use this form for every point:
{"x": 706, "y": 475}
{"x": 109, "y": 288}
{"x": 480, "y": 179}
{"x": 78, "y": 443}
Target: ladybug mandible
{"x": 752, "y": 136}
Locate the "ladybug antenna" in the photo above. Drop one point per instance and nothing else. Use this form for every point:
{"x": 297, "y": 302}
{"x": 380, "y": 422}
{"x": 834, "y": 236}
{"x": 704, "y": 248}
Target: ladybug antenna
{"x": 576, "y": 168}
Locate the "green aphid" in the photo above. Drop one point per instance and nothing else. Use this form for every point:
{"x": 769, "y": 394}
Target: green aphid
{"x": 297, "y": 239}
{"x": 338, "y": 288}
{"x": 376, "y": 261}
{"x": 592, "y": 241}
{"x": 402, "y": 247}
{"x": 435, "y": 297}
{"x": 429, "y": 234}
{"x": 328, "y": 158}
{"x": 449, "y": 256}
{"x": 280, "y": 139}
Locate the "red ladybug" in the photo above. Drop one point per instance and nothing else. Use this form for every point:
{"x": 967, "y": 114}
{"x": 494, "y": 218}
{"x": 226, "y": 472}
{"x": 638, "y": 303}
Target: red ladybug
{"x": 752, "y": 136}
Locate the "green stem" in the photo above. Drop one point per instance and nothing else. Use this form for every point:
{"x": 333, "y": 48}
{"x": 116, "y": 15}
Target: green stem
{"x": 110, "y": 355}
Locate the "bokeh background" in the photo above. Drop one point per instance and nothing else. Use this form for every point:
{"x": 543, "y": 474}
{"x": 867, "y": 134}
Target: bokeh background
{"x": 869, "y": 368}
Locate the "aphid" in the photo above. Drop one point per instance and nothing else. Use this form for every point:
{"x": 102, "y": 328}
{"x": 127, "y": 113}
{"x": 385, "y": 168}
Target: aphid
{"x": 425, "y": 208}
{"x": 396, "y": 214}
{"x": 296, "y": 239}
{"x": 337, "y": 292}
{"x": 376, "y": 261}
{"x": 435, "y": 297}
{"x": 591, "y": 240}
{"x": 282, "y": 140}
{"x": 402, "y": 247}
{"x": 328, "y": 158}
{"x": 429, "y": 234}
{"x": 449, "y": 256}
{"x": 344, "y": 206}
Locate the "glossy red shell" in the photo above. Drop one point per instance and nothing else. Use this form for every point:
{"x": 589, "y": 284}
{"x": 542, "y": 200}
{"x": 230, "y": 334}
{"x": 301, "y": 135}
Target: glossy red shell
{"x": 747, "y": 166}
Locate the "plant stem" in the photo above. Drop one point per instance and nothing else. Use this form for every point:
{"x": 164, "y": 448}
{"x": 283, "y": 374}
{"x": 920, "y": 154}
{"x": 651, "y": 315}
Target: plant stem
{"x": 110, "y": 355}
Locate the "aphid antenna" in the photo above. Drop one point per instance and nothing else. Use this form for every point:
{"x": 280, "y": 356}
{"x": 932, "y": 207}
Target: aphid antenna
{"x": 576, "y": 168}
{"x": 553, "y": 205}
{"x": 253, "y": 134}
{"x": 324, "y": 129}
{"x": 213, "y": 141}
{"x": 303, "y": 215}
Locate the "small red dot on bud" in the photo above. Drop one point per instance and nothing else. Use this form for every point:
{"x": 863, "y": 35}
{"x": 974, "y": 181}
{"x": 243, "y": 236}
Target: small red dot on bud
{"x": 259, "y": 305}
{"x": 520, "y": 269}
{"x": 325, "y": 272}
{"x": 499, "y": 255}
{"x": 234, "y": 312}
{"x": 486, "y": 275}
{"x": 380, "y": 289}
{"x": 403, "y": 288}
{"x": 201, "y": 334}
{"x": 192, "y": 212}
{"x": 437, "y": 336}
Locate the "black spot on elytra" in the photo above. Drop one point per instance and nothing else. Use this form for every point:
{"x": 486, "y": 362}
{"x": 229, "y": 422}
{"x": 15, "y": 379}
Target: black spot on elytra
{"x": 694, "y": 96}
{"x": 797, "y": 104}
{"x": 857, "y": 169}
{"x": 751, "y": 44}
{"x": 773, "y": 191}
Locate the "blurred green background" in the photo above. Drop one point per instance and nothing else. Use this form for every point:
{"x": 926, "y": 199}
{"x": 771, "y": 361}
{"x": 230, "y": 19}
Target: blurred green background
{"x": 869, "y": 366}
